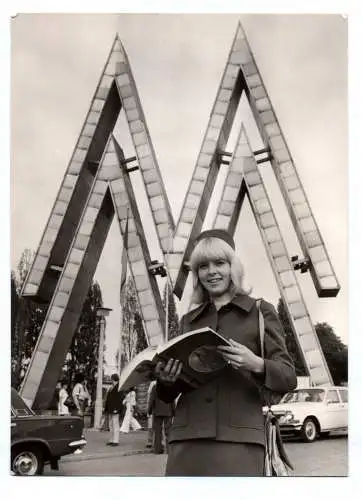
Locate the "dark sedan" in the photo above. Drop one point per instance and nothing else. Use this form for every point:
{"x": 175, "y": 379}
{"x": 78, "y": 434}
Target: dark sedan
{"x": 40, "y": 439}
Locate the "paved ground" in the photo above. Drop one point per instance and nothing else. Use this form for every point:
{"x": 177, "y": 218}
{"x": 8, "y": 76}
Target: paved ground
{"x": 325, "y": 457}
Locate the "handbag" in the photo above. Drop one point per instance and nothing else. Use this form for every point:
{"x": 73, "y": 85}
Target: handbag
{"x": 69, "y": 402}
{"x": 276, "y": 462}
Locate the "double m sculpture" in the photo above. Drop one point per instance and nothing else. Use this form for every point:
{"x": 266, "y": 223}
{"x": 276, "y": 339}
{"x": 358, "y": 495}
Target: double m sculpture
{"x": 97, "y": 186}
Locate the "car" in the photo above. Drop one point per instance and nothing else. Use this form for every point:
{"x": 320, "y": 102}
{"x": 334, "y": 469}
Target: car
{"x": 312, "y": 412}
{"x": 40, "y": 439}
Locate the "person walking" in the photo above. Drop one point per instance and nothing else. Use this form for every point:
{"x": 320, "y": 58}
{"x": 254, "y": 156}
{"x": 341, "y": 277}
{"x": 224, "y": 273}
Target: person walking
{"x": 129, "y": 420}
{"x": 149, "y": 443}
{"x": 218, "y": 428}
{"x": 112, "y": 408}
{"x": 80, "y": 394}
{"x": 162, "y": 414}
{"x": 63, "y": 396}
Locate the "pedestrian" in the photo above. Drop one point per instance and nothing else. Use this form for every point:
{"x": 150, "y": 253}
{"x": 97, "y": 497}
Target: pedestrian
{"x": 218, "y": 428}
{"x": 162, "y": 414}
{"x": 80, "y": 394}
{"x": 53, "y": 407}
{"x": 63, "y": 396}
{"x": 149, "y": 443}
{"x": 112, "y": 408}
{"x": 129, "y": 420}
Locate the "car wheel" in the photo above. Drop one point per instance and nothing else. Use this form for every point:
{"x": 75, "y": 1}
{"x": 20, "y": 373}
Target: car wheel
{"x": 309, "y": 430}
{"x": 27, "y": 461}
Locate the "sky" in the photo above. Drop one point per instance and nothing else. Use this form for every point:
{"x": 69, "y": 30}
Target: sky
{"x": 177, "y": 61}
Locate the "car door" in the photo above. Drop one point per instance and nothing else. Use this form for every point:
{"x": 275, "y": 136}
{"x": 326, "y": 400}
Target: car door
{"x": 343, "y": 393}
{"x": 334, "y": 410}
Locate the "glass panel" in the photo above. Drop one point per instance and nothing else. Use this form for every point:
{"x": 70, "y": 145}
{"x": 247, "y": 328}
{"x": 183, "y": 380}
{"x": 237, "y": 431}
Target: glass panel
{"x": 184, "y": 229}
{"x": 272, "y": 129}
{"x": 97, "y": 105}
{"x": 302, "y": 210}
{"x": 267, "y": 220}
{"x": 154, "y": 332}
{"x": 139, "y": 138}
{"x": 76, "y": 256}
{"x": 208, "y": 147}
{"x": 123, "y": 79}
{"x": 344, "y": 395}
{"x": 232, "y": 70}
{"x": 135, "y": 254}
{"x": 267, "y": 117}
{"x": 126, "y": 91}
{"x": 241, "y": 56}
{"x": 253, "y": 80}
{"x": 157, "y": 203}
{"x": 332, "y": 397}
{"x": 308, "y": 342}
{"x": 56, "y": 312}
{"x": 141, "y": 283}
{"x": 71, "y": 270}
{"x": 93, "y": 117}
{"x": 204, "y": 160}
{"x": 89, "y": 130}
{"x": 262, "y": 104}
{"x": 328, "y": 282}
{"x": 40, "y": 262}
{"x": 147, "y": 163}
{"x": 221, "y": 107}
{"x": 160, "y": 216}
{"x": 188, "y": 214}
{"x": 302, "y": 325}
{"x": 149, "y": 312}
{"x": 282, "y": 155}
{"x": 291, "y": 182}
{"x": 132, "y": 114}
{"x": 222, "y": 221}
{"x": 313, "y": 239}
{"x": 137, "y": 126}
{"x": 286, "y": 169}
{"x": 86, "y": 228}
{"x": 297, "y": 309}
{"x": 146, "y": 297}
{"x": 234, "y": 179}
{"x": 228, "y": 81}
{"x": 154, "y": 189}
{"x": 231, "y": 193}
{"x": 296, "y": 196}
{"x": 179, "y": 244}
{"x": 139, "y": 268}
{"x": 257, "y": 192}
{"x": 272, "y": 234}
{"x": 287, "y": 278}
{"x": 292, "y": 293}
{"x": 81, "y": 242}
{"x": 226, "y": 208}
{"x": 277, "y": 248}
{"x": 143, "y": 150}
{"x": 84, "y": 142}
{"x": 217, "y": 120}
{"x": 317, "y": 254}
{"x": 192, "y": 201}
{"x": 323, "y": 269}
{"x": 55, "y": 221}
{"x": 224, "y": 95}
{"x": 46, "y": 344}
{"x": 262, "y": 205}
{"x": 129, "y": 103}
{"x": 282, "y": 263}
{"x": 150, "y": 176}
{"x": 252, "y": 178}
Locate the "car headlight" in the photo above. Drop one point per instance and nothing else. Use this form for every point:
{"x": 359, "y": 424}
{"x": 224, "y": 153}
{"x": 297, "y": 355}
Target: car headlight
{"x": 288, "y": 417}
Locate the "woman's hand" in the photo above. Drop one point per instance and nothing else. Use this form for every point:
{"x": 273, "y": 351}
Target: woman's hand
{"x": 169, "y": 373}
{"x": 240, "y": 357}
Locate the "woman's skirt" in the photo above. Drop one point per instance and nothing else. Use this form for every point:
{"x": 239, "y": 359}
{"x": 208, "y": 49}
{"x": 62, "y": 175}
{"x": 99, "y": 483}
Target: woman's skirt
{"x": 205, "y": 457}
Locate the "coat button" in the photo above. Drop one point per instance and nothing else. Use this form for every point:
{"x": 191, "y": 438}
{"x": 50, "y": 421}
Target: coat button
{"x": 209, "y": 400}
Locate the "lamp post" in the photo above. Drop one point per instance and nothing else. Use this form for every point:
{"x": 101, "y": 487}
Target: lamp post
{"x": 101, "y": 312}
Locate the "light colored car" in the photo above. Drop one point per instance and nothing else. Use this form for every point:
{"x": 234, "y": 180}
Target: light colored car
{"x": 313, "y": 412}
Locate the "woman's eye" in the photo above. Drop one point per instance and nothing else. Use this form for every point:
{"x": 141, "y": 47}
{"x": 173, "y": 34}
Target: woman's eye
{"x": 220, "y": 262}
{"x": 203, "y": 266}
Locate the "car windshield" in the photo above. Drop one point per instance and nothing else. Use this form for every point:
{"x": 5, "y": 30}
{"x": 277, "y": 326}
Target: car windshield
{"x": 18, "y": 405}
{"x": 304, "y": 395}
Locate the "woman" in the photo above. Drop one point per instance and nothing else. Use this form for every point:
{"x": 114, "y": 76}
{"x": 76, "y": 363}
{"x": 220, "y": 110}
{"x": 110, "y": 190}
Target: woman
{"x": 63, "y": 396}
{"x": 129, "y": 421}
{"x": 218, "y": 428}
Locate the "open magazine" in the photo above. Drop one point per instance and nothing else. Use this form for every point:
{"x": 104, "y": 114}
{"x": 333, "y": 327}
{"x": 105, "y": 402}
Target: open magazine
{"x": 196, "y": 350}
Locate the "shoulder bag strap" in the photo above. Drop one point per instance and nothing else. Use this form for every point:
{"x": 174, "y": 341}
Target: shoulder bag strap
{"x": 261, "y": 328}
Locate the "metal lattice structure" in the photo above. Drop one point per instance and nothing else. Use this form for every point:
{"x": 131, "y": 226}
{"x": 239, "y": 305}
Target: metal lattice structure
{"x": 97, "y": 185}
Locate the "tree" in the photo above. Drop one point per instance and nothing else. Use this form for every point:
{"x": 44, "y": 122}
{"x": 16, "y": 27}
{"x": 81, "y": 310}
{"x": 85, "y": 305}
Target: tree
{"x": 82, "y": 356}
{"x": 173, "y": 321}
{"x": 27, "y": 319}
{"x": 292, "y": 345}
{"x": 335, "y": 352}
{"x": 133, "y": 339}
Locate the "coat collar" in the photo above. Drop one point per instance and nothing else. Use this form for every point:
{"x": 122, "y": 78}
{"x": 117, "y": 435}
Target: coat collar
{"x": 242, "y": 301}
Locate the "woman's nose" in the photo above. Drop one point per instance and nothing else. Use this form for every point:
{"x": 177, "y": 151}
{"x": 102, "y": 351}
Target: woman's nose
{"x": 211, "y": 268}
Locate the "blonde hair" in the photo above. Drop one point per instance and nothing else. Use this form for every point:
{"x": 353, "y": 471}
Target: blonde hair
{"x": 213, "y": 249}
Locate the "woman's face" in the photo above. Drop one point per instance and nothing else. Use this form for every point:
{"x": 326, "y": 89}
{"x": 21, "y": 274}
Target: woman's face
{"x": 214, "y": 276}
